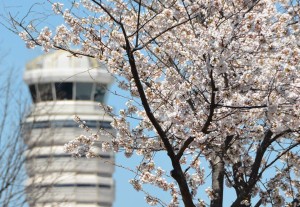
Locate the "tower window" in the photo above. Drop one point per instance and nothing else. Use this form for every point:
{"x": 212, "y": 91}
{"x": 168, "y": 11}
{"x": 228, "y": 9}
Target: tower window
{"x": 33, "y": 93}
{"x": 99, "y": 92}
{"x": 67, "y": 91}
{"x": 45, "y": 90}
{"x": 83, "y": 91}
{"x": 64, "y": 91}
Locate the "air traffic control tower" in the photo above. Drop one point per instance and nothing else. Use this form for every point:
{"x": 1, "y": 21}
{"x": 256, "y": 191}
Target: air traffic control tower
{"x": 62, "y": 86}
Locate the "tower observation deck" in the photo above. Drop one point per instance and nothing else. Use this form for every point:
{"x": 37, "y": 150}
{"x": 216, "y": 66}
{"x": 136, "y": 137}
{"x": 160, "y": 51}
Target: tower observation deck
{"x": 62, "y": 86}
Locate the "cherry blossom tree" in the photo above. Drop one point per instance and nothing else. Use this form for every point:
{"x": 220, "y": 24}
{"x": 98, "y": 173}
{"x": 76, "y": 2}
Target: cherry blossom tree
{"x": 213, "y": 82}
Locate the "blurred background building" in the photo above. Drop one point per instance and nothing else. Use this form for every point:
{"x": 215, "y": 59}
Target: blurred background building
{"x": 62, "y": 86}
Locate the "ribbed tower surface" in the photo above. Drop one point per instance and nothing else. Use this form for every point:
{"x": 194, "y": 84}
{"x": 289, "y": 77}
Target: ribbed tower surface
{"x": 62, "y": 86}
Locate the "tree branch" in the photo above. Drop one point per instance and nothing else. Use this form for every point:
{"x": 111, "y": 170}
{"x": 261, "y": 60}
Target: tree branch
{"x": 161, "y": 33}
{"x": 183, "y": 147}
{"x": 138, "y": 25}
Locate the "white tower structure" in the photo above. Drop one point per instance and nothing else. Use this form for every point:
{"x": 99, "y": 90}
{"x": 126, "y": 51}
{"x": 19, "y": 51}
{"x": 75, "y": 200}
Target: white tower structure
{"x": 62, "y": 86}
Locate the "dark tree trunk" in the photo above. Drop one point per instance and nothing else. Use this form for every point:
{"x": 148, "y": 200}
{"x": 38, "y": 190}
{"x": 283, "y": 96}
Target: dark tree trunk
{"x": 217, "y": 182}
{"x": 178, "y": 175}
{"x": 239, "y": 200}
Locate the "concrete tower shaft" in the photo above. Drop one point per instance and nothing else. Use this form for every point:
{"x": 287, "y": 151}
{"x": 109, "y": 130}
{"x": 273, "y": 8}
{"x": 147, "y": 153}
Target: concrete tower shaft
{"x": 62, "y": 86}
